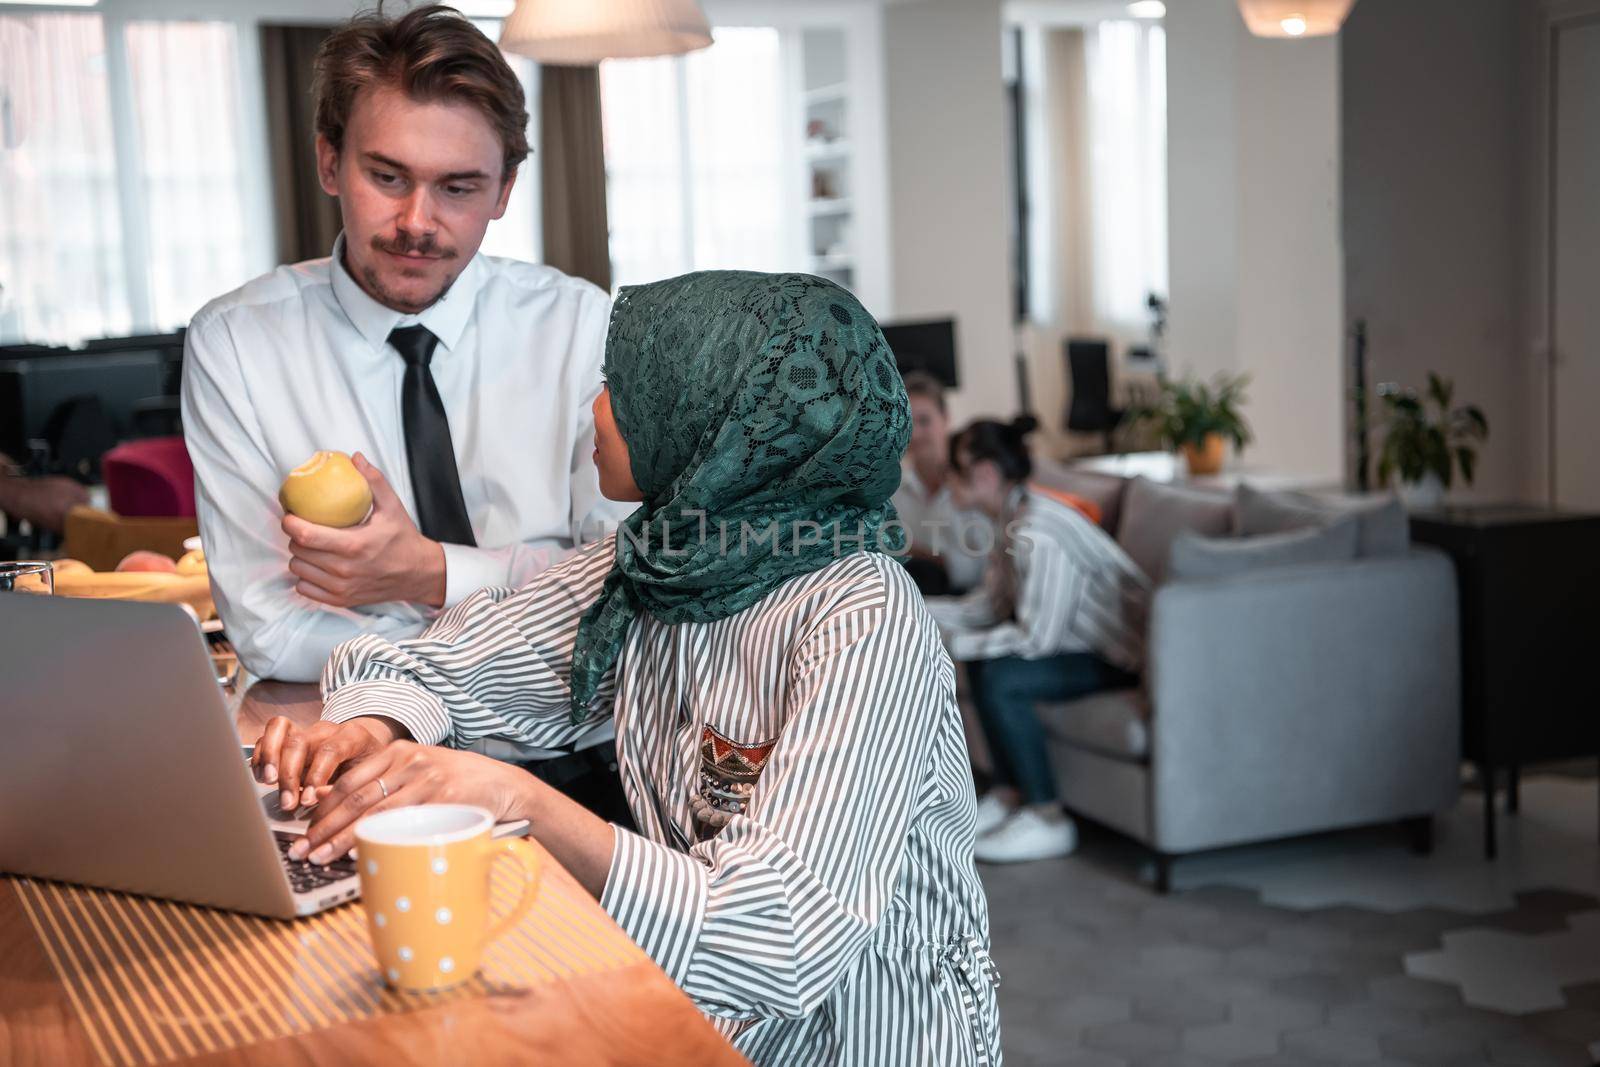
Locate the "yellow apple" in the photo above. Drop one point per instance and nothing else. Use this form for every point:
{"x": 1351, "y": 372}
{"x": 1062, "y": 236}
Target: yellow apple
{"x": 192, "y": 562}
{"x": 327, "y": 490}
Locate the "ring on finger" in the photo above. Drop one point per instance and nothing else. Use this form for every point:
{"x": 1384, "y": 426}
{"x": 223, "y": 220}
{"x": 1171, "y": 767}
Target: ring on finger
{"x": 384, "y": 788}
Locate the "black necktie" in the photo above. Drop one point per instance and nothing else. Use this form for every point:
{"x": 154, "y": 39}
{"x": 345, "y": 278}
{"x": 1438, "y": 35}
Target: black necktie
{"x": 441, "y": 510}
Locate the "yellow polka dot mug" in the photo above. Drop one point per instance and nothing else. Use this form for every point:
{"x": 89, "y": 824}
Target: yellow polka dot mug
{"x": 425, "y": 884}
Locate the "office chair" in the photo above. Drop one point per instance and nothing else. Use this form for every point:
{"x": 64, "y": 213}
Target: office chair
{"x": 1089, "y": 368}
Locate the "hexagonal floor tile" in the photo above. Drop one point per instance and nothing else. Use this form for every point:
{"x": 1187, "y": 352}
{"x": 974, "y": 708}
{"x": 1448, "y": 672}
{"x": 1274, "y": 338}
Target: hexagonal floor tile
{"x": 1230, "y": 1041}
{"x": 1515, "y": 972}
{"x": 1132, "y": 1037}
{"x": 1327, "y": 1043}
{"x": 1414, "y": 992}
{"x": 1431, "y": 1044}
{"x": 1181, "y": 1009}
{"x": 1534, "y": 1051}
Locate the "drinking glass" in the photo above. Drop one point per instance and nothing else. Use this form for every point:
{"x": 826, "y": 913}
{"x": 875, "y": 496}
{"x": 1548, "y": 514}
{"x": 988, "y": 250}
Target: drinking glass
{"x": 27, "y": 576}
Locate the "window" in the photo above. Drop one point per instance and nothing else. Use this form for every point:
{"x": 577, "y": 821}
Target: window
{"x": 60, "y": 229}
{"x": 191, "y": 202}
{"x": 516, "y": 234}
{"x": 696, "y": 158}
{"x": 116, "y": 215}
{"x": 1127, "y": 76}
{"x": 132, "y": 188}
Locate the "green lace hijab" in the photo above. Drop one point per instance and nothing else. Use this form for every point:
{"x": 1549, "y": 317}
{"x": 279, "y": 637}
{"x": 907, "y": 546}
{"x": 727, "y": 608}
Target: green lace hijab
{"x": 765, "y": 421}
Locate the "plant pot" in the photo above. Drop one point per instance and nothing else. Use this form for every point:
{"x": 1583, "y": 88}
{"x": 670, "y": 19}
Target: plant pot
{"x": 1206, "y": 457}
{"x": 1425, "y": 495}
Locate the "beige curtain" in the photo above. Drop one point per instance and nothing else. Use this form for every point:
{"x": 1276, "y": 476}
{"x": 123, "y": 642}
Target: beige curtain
{"x": 1062, "y": 290}
{"x": 1067, "y": 118}
{"x": 307, "y": 218}
{"x": 572, "y": 173}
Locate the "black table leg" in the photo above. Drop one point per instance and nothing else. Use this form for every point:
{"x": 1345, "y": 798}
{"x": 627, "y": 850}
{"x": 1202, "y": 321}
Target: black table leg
{"x": 1163, "y": 873}
{"x": 1486, "y": 779}
{"x": 1514, "y": 788}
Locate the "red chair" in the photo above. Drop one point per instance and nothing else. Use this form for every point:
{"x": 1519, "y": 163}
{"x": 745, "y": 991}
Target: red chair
{"x": 151, "y": 477}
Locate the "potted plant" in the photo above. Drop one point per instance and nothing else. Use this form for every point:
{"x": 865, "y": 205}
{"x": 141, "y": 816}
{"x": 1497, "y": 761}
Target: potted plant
{"x": 1425, "y": 441}
{"x": 1199, "y": 419}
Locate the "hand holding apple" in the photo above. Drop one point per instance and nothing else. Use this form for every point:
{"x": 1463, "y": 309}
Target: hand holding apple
{"x": 384, "y": 558}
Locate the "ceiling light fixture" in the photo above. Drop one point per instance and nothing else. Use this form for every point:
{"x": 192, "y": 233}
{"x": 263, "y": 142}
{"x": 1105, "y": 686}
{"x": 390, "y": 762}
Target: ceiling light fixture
{"x": 1295, "y": 18}
{"x": 581, "y": 32}
{"x": 1147, "y": 9}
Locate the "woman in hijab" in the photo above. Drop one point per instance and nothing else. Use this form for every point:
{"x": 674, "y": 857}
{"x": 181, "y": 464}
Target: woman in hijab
{"x": 787, "y": 731}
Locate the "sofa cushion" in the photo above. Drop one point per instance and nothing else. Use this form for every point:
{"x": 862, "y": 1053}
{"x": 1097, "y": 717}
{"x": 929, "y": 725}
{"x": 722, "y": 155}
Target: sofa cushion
{"x": 1104, "y": 490}
{"x": 1154, "y": 513}
{"x": 1111, "y": 722}
{"x": 1194, "y": 556}
{"x": 1384, "y": 528}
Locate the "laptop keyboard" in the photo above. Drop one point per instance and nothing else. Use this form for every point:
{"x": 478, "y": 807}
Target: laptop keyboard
{"x": 304, "y": 876}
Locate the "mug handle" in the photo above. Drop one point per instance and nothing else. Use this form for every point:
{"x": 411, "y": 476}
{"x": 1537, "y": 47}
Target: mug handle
{"x": 532, "y": 872}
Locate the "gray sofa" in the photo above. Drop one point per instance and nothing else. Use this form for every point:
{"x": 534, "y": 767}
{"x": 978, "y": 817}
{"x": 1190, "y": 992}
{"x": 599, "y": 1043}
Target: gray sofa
{"x": 1283, "y": 700}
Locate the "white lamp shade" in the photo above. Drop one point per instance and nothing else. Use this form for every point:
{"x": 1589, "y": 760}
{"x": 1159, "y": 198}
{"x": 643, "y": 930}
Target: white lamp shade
{"x": 1294, "y": 18}
{"x": 580, "y": 32}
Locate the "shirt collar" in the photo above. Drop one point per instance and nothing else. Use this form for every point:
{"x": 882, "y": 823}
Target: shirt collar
{"x": 910, "y": 479}
{"x": 446, "y": 319}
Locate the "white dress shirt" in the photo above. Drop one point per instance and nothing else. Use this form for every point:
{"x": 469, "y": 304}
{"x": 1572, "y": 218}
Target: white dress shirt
{"x": 961, "y": 539}
{"x": 298, "y": 360}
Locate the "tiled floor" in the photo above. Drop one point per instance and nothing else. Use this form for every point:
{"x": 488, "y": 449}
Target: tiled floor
{"x": 1344, "y": 948}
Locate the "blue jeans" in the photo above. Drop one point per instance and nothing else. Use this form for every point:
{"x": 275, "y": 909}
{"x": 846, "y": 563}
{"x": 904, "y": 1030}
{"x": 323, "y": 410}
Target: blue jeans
{"x": 1005, "y": 691}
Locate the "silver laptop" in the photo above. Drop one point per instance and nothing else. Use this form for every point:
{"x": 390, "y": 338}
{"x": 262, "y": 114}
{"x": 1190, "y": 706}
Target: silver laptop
{"x": 120, "y": 765}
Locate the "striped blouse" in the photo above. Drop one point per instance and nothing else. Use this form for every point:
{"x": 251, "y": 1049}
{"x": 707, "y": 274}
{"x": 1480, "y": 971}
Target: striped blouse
{"x": 1075, "y": 591}
{"x": 798, "y": 773}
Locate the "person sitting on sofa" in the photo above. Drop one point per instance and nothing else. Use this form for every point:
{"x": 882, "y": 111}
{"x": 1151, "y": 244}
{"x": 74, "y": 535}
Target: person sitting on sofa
{"x": 947, "y": 546}
{"x": 1060, "y": 614}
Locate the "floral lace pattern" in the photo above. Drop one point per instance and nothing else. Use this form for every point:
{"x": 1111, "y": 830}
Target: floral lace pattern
{"x": 765, "y": 420}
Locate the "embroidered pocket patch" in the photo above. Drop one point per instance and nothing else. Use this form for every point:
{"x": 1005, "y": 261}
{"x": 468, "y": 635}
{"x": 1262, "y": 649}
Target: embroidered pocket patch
{"x": 728, "y": 774}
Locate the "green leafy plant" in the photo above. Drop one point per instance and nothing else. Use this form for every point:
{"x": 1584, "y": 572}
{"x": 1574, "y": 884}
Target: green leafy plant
{"x": 1186, "y": 412}
{"x": 1424, "y": 435}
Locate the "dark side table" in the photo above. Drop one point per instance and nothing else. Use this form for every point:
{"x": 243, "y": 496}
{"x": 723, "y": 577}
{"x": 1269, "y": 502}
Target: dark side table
{"x": 1529, "y": 581}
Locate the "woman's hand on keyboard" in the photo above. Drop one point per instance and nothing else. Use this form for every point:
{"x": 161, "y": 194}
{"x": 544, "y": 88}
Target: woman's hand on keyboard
{"x": 300, "y": 758}
{"x": 404, "y": 773}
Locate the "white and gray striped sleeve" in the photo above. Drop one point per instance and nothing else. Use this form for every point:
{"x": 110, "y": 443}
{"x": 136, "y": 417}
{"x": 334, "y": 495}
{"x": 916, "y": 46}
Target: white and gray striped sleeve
{"x": 498, "y": 664}
{"x": 1049, "y": 588}
{"x": 970, "y": 611}
{"x": 764, "y": 919}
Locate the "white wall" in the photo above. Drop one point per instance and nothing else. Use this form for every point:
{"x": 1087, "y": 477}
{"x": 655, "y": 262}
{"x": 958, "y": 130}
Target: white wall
{"x": 1433, "y": 211}
{"x": 1256, "y": 263}
{"x": 949, "y": 240}
{"x": 1291, "y": 262}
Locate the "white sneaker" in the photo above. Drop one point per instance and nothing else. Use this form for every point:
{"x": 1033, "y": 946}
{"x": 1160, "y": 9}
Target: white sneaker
{"x": 992, "y": 811}
{"x": 1026, "y": 836}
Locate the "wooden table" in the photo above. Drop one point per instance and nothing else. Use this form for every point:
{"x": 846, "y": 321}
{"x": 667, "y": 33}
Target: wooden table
{"x": 631, "y": 1015}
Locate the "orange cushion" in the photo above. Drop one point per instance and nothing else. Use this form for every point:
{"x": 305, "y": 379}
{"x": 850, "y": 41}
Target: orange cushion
{"x": 1084, "y": 506}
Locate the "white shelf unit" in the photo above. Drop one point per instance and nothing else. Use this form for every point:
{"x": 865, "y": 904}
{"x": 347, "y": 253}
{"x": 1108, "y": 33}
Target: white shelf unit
{"x": 827, "y": 154}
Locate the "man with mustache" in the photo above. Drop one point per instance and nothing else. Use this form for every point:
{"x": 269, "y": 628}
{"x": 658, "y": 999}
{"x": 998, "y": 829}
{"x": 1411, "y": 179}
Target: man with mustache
{"x": 462, "y": 383}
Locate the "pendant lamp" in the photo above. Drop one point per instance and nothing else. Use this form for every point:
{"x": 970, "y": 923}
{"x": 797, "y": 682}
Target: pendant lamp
{"x": 1294, "y": 18}
{"x": 582, "y": 32}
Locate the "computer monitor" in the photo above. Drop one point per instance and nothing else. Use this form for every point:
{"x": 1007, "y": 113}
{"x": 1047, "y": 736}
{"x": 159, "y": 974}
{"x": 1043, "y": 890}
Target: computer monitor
{"x": 928, "y": 346}
{"x": 38, "y": 395}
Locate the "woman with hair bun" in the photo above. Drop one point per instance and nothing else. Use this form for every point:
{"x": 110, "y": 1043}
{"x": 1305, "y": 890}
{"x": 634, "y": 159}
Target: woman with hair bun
{"x": 1060, "y": 614}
